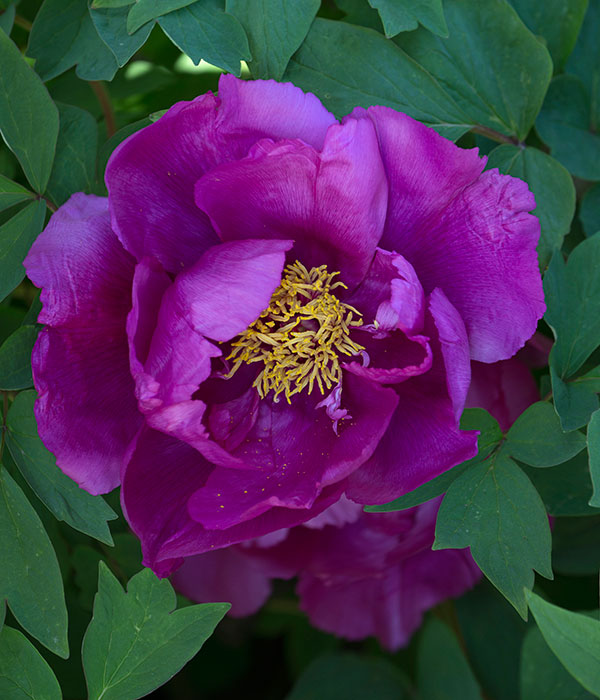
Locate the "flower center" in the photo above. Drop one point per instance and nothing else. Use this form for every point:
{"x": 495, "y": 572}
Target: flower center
{"x": 300, "y": 336}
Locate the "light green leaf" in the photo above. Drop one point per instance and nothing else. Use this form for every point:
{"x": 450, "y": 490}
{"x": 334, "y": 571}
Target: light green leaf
{"x": 63, "y": 35}
{"x": 12, "y": 193}
{"x": 494, "y": 509}
{"x": 15, "y": 359}
{"x": 275, "y": 30}
{"x": 16, "y": 238}
{"x": 593, "y": 441}
{"x": 28, "y": 117}
{"x": 574, "y": 638}
{"x": 453, "y": 678}
{"x": 574, "y": 401}
{"x": 537, "y": 439}
{"x": 30, "y": 579}
{"x": 490, "y": 435}
{"x": 111, "y": 25}
{"x": 24, "y": 674}
{"x": 134, "y": 642}
{"x": 75, "y": 163}
{"x": 146, "y": 10}
{"x": 58, "y": 492}
{"x": 552, "y": 186}
{"x": 405, "y": 15}
{"x": 204, "y": 31}
{"x": 589, "y": 211}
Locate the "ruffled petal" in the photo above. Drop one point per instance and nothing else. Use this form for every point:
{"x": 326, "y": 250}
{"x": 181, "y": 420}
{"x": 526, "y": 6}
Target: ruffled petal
{"x": 332, "y": 203}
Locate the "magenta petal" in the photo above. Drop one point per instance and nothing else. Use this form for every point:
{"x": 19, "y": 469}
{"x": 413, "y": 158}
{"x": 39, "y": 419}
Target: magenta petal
{"x": 332, "y": 203}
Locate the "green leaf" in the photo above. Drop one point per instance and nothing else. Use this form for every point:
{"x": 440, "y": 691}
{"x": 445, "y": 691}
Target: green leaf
{"x": 494, "y": 509}
{"x": 7, "y": 18}
{"x": 537, "y": 439}
{"x": 111, "y": 25}
{"x": 557, "y": 21}
{"x": 589, "y": 211}
{"x": 28, "y": 117}
{"x": 574, "y": 638}
{"x": 584, "y": 62}
{"x": 16, "y": 238}
{"x": 564, "y": 124}
{"x": 75, "y": 163}
{"x": 590, "y": 380}
{"x": 205, "y": 31}
{"x": 453, "y": 678}
{"x": 573, "y": 300}
{"x": 543, "y": 676}
{"x": 347, "y": 676}
{"x": 552, "y": 186}
{"x": 146, "y": 10}
{"x": 60, "y": 494}
{"x": 593, "y": 441}
{"x": 15, "y": 359}
{"x": 574, "y": 401}
{"x": 12, "y": 193}
{"x": 63, "y": 35}
{"x": 490, "y": 435}
{"x": 275, "y": 31}
{"x": 405, "y": 15}
{"x": 30, "y": 579}
{"x": 135, "y": 643}
{"x": 24, "y": 674}
{"x": 110, "y": 3}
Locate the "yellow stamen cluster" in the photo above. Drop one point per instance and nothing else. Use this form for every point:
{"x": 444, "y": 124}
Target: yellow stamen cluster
{"x": 300, "y": 336}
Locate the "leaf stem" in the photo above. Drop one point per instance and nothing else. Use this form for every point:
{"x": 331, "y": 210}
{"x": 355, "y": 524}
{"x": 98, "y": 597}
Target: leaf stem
{"x": 23, "y": 23}
{"x": 107, "y": 110}
{"x": 497, "y": 136}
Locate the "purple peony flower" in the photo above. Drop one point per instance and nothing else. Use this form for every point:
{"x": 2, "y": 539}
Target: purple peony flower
{"x": 272, "y": 309}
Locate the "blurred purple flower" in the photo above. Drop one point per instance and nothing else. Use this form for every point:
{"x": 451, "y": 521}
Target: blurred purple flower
{"x": 272, "y": 309}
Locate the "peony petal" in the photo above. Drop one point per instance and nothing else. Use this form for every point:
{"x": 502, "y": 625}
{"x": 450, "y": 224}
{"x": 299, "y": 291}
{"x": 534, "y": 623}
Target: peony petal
{"x": 332, "y": 203}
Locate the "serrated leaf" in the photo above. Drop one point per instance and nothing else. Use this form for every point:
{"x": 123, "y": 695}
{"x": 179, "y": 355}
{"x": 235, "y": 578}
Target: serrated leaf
{"x": 15, "y": 359}
{"x": 405, "y": 15}
{"x": 275, "y": 30}
{"x": 146, "y": 10}
{"x": 12, "y": 193}
{"x": 494, "y": 509}
{"x": 63, "y": 35}
{"x": 111, "y": 25}
{"x": 16, "y": 238}
{"x": 593, "y": 442}
{"x": 574, "y": 639}
{"x": 28, "y": 117}
{"x": 135, "y": 642}
{"x": 490, "y": 435}
{"x": 204, "y": 31}
{"x": 24, "y": 674}
{"x": 75, "y": 163}
{"x": 60, "y": 494}
{"x": 30, "y": 578}
{"x": 552, "y": 186}
{"x": 537, "y": 438}
{"x": 589, "y": 211}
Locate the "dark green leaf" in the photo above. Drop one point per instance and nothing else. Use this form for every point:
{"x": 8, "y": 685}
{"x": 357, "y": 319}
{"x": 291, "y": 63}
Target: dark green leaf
{"x": 275, "y": 30}
{"x": 58, "y": 492}
{"x": 16, "y": 237}
{"x": 576, "y": 546}
{"x": 63, "y": 35}
{"x": 205, "y": 31}
{"x": 590, "y": 380}
{"x": 574, "y": 401}
{"x": 111, "y": 25}
{"x": 537, "y": 439}
{"x": 574, "y": 638}
{"x": 347, "y": 676}
{"x": 7, "y": 18}
{"x": 28, "y": 117}
{"x": 490, "y": 435}
{"x": 543, "y": 676}
{"x": 584, "y": 62}
{"x": 552, "y": 186}
{"x": 494, "y": 509}
{"x": 110, "y": 3}
{"x": 12, "y": 193}
{"x": 135, "y": 643}
{"x": 593, "y": 441}
{"x": 405, "y": 15}
{"x": 15, "y": 359}
{"x": 30, "y": 579}
{"x": 146, "y": 10}
{"x": 558, "y": 21}
{"x": 589, "y": 211}
{"x": 564, "y": 124}
{"x": 24, "y": 674}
